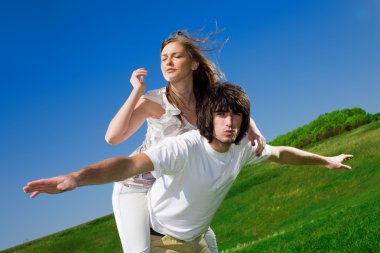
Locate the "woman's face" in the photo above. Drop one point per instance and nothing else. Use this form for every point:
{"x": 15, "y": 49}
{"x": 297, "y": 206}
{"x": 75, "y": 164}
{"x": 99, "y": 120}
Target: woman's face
{"x": 176, "y": 64}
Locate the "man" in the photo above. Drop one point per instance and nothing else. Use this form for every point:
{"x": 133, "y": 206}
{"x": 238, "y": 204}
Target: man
{"x": 194, "y": 171}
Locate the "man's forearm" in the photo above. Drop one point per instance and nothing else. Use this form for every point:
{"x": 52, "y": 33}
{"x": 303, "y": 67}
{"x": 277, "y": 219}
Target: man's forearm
{"x": 294, "y": 156}
{"x": 112, "y": 170}
{"x": 106, "y": 171}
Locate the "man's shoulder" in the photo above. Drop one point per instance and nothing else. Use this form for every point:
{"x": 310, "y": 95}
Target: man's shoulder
{"x": 188, "y": 138}
{"x": 244, "y": 144}
{"x": 244, "y": 141}
{"x": 249, "y": 151}
{"x": 191, "y": 138}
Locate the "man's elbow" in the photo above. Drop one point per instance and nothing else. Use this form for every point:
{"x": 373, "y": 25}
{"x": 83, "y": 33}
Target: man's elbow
{"x": 275, "y": 154}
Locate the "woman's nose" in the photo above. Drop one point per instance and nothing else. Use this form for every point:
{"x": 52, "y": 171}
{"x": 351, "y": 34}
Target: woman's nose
{"x": 169, "y": 61}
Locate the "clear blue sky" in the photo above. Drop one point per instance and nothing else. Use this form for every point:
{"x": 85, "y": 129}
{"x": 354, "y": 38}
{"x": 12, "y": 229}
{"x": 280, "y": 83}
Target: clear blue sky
{"x": 65, "y": 68}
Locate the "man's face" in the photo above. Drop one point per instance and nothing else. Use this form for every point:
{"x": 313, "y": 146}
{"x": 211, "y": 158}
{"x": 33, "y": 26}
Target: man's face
{"x": 226, "y": 126}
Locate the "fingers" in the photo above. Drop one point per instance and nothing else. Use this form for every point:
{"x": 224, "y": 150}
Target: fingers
{"x": 339, "y": 166}
{"x": 34, "y": 194}
{"x": 346, "y": 167}
{"x": 137, "y": 79}
{"x": 344, "y": 157}
{"x": 40, "y": 188}
{"x": 42, "y": 182}
{"x": 347, "y": 157}
{"x": 259, "y": 149}
{"x": 139, "y": 72}
{"x": 44, "y": 186}
{"x": 336, "y": 162}
{"x": 261, "y": 145}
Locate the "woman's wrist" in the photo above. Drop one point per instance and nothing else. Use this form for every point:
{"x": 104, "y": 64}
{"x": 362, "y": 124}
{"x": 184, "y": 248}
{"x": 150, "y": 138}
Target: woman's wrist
{"x": 139, "y": 91}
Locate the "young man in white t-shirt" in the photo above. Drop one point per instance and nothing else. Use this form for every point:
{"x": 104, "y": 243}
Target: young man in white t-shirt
{"x": 194, "y": 170}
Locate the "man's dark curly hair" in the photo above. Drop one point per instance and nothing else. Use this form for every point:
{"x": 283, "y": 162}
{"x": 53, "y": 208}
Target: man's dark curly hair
{"x": 223, "y": 98}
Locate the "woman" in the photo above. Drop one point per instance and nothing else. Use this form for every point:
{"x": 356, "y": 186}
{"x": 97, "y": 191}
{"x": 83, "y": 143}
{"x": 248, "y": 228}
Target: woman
{"x": 169, "y": 111}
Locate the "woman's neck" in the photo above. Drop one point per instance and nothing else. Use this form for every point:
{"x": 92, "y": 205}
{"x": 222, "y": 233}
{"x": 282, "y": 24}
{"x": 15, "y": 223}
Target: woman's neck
{"x": 187, "y": 102}
{"x": 184, "y": 91}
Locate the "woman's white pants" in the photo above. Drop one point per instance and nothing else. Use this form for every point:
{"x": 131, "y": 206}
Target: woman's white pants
{"x": 132, "y": 219}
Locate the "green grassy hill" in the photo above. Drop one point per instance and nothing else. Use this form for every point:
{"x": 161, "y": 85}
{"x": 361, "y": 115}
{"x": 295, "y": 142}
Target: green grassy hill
{"x": 276, "y": 208}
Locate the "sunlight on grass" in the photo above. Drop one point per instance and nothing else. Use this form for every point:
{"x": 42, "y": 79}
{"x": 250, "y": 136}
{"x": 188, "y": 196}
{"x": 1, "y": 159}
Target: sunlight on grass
{"x": 241, "y": 246}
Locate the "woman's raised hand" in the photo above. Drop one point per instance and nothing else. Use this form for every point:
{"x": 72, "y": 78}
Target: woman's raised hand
{"x": 137, "y": 79}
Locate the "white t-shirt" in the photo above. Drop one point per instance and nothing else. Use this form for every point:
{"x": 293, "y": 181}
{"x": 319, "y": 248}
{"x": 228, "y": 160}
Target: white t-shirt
{"x": 192, "y": 181}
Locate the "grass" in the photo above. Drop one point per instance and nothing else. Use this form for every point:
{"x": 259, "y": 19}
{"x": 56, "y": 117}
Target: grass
{"x": 276, "y": 208}
{"x": 99, "y": 235}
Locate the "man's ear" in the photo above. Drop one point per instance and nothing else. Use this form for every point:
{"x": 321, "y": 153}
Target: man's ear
{"x": 194, "y": 65}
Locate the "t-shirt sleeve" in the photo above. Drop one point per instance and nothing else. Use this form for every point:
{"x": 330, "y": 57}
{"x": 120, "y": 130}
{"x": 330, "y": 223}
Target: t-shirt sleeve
{"x": 169, "y": 157}
{"x": 250, "y": 154}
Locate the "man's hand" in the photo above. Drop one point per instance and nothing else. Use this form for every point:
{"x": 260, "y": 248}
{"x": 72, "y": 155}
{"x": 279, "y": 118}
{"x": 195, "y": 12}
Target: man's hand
{"x": 336, "y": 162}
{"x": 52, "y": 185}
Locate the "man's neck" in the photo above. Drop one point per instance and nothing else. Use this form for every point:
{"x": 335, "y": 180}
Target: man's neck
{"x": 219, "y": 146}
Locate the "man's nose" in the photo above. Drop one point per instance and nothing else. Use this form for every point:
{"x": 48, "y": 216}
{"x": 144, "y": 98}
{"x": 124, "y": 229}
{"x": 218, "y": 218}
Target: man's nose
{"x": 228, "y": 120}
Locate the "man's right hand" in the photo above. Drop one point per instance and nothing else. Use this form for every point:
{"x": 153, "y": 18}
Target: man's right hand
{"x": 52, "y": 185}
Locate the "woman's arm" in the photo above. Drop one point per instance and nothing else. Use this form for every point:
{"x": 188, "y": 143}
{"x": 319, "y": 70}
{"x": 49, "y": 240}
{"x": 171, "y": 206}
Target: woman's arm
{"x": 255, "y": 134}
{"x": 133, "y": 113}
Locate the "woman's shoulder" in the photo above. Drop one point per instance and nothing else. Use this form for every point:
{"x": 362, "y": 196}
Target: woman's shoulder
{"x": 156, "y": 95}
{"x": 159, "y": 96}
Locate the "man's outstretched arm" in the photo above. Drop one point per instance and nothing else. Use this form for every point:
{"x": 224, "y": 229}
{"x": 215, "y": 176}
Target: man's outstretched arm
{"x": 290, "y": 155}
{"x": 106, "y": 171}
